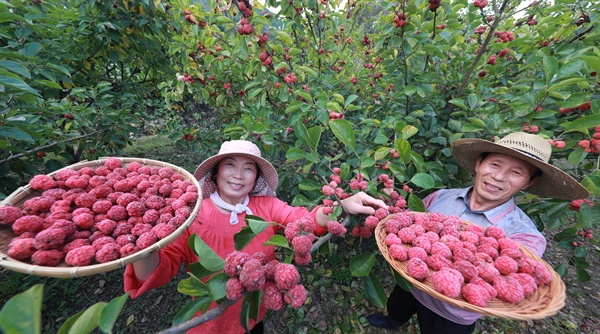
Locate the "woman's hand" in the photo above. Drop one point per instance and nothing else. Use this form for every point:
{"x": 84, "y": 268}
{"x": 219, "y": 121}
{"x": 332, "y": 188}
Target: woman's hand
{"x": 143, "y": 268}
{"x": 361, "y": 203}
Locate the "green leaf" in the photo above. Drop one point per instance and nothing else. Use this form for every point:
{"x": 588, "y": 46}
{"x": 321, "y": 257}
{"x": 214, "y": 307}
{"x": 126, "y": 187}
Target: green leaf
{"x": 85, "y": 321}
{"x": 294, "y": 154}
{"x": 216, "y": 286}
{"x": 423, "y": 180}
{"x": 459, "y": 103}
{"x": 15, "y": 133}
{"x": 192, "y": 286}
{"x": 571, "y": 67}
{"x": 199, "y": 270}
{"x": 302, "y": 133}
{"x": 250, "y": 308}
{"x": 403, "y": 149}
{"x": 409, "y": 131}
{"x": 22, "y": 312}
{"x": 566, "y": 82}
{"x": 277, "y": 241}
{"x": 314, "y": 136}
{"x": 18, "y": 84}
{"x": 415, "y": 203}
{"x": 582, "y": 124}
{"x": 561, "y": 270}
{"x": 401, "y": 281}
{"x": 360, "y": 265}
{"x": 256, "y": 223}
{"x": 208, "y": 258}
{"x": 375, "y": 291}
{"x": 342, "y": 129}
{"x": 111, "y": 312}
{"x": 308, "y": 70}
{"x": 550, "y": 66}
{"x": 190, "y": 309}
{"x": 309, "y": 185}
{"x": 583, "y": 276}
{"x": 243, "y": 238}
{"x": 15, "y": 67}
{"x": 31, "y": 49}
{"x": 283, "y": 36}
{"x": 350, "y": 99}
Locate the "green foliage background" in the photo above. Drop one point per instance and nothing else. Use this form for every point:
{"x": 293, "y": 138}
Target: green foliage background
{"x": 80, "y": 79}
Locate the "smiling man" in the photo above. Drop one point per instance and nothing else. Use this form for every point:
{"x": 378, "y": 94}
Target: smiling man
{"x": 517, "y": 162}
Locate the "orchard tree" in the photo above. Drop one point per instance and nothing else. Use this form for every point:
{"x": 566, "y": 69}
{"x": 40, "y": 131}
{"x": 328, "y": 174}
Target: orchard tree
{"x": 77, "y": 79}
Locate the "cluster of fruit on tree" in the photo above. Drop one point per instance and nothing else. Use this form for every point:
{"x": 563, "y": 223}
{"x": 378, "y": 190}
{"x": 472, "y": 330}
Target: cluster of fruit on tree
{"x": 593, "y": 144}
{"x": 97, "y": 215}
{"x": 463, "y": 259}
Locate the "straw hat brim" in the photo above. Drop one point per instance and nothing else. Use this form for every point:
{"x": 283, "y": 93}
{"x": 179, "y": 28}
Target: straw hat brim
{"x": 552, "y": 183}
{"x": 268, "y": 172}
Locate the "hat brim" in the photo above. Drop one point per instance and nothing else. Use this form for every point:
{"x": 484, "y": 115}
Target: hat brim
{"x": 552, "y": 183}
{"x": 268, "y": 172}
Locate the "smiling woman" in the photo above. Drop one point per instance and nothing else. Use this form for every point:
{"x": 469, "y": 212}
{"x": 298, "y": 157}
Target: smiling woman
{"x": 234, "y": 183}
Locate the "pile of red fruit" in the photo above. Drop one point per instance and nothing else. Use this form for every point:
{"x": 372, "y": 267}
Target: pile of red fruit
{"x": 97, "y": 215}
{"x": 462, "y": 259}
{"x": 279, "y": 281}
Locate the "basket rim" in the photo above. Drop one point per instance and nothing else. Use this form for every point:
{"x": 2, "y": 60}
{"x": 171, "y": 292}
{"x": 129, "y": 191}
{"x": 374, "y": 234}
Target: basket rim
{"x": 544, "y": 302}
{"x": 72, "y": 272}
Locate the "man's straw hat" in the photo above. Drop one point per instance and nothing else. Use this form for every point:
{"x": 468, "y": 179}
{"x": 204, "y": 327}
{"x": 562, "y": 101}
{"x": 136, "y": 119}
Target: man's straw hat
{"x": 528, "y": 147}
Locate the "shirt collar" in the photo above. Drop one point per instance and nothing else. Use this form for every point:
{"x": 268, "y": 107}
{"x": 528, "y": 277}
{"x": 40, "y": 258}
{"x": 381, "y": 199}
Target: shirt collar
{"x": 493, "y": 214}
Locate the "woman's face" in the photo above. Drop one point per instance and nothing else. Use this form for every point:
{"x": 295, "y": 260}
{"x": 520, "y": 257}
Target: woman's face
{"x": 236, "y": 176}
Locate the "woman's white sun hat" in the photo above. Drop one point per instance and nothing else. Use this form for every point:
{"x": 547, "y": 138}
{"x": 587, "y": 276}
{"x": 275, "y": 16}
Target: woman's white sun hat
{"x": 528, "y": 147}
{"x": 266, "y": 183}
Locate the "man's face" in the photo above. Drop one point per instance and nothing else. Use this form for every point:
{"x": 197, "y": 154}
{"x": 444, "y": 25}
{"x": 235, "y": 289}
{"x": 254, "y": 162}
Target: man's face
{"x": 498, "y": 178}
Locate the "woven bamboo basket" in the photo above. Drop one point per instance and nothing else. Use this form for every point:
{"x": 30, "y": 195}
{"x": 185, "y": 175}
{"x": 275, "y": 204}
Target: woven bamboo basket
{"x": 18, "y": 197}
{"x": 546, "y": 301}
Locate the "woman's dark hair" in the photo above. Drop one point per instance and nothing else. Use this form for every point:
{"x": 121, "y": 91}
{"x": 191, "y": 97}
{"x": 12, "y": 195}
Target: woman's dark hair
{"x": 537, "y": 173}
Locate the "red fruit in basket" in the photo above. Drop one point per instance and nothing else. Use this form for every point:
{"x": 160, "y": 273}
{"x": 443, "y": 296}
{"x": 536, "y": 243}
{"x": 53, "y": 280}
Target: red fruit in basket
{"x": 54, "y": 194}
{"x": 488, "y": 272}
{"x": 407, "y": 235}
{"x": 75, "y": 244}
{"x": 509, "y": 289}
{"x": 42, "y": 182}
{"x": 37, "y": 205}
{"x": 475, "y": 294}
{"x": 398, "y": 252}
{"x": 125, "y": 239}
{"x": 123, "y": 185}
{"x": 146, "y": 240}
{"x": 506, "y": 265}
{"x": 52, "y": 238}
{"x": 417, "y": 269}
{"x": 84, "y": 221}
{"x": 422, "y": 242}
{"x": 527, "y": 282}
{"x": 28, "y": 223}
{"x": 163, "y": 230}
{"x": 50, "y": 258}
{"x": 106, "y": 226}
{"x": 68, "y": 226}
{"x": 477, "y": 229}
{"x": 470, "y": 237}
{"x": 85, "y": 200}
{"x": 439, "y": 248}
{"x": 64, "y": 174}
{"x": 448, "y": 282}
{"x": 128, "y": 249}
{"x": 463, "y": 254}
{"x": 108, "y": 252}
{"x": 466, "y": 268}
{"x": 99, "y": 242}
{"x": 151, "y": 216}
{"x": 123, "y": 227}
{"x": 77, "y": 181}
{"x": 392, "y": 239}
{"x": 140, "y": 229}
{"x": 495, "y": 232}
{"x": 21, "y": 248}
{"x": 437, "y": 262}
{"x": 113, "y": 163}
{"x": 488, "y": 287}
{"x": 9, "y": 214}
{"x": 81, "y": 256}
{"x": 136, "y": 209}
{"x": 61, "y": 206}
{"x": 101, "y": 206}
{"x": 417, "y": 252}
{"x": 127, "y": 198}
